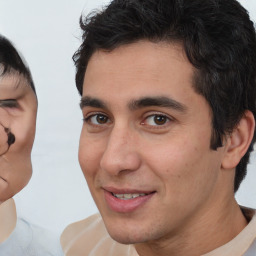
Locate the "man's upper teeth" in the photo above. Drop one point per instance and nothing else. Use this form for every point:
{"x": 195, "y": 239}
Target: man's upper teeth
{"x": 128, "y": 196}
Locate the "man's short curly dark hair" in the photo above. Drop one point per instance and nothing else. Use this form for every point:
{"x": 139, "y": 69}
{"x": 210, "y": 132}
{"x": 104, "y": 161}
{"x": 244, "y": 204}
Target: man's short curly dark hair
{"x": 218, "y": 38}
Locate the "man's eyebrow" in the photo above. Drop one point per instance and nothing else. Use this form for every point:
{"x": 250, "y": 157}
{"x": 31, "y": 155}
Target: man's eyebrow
{"x": 91, "y": 102}
{"x": 158, "y": 102}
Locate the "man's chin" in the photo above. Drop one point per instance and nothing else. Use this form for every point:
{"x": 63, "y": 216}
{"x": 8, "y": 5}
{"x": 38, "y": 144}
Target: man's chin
{"x": 124, "y": 236}
{"x": 124, "y": 239}
{"x": 127, "y": 229}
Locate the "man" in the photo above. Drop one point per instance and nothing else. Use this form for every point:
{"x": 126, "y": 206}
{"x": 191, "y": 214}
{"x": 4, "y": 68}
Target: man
{"x": 168, "y": 98}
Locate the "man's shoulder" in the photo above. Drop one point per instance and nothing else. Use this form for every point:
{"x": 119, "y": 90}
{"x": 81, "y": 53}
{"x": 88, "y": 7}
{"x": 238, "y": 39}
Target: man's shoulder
{"x": 82, "y": 230}
{"x": 77, "y": 228}
{"x": 252, "y": 250}
{"x": 90, "y": 237}
{"x": 81, "y": 235}
{"x": 250, "y": 214}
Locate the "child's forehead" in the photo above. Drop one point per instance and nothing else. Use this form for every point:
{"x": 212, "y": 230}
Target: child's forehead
{"x": 14, "y": 81}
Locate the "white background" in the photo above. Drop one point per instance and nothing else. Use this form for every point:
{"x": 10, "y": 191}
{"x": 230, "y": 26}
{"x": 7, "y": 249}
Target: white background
{"x": 47, "y": 33}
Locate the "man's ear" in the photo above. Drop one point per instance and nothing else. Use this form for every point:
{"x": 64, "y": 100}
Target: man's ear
{"x": 239, "y": 141}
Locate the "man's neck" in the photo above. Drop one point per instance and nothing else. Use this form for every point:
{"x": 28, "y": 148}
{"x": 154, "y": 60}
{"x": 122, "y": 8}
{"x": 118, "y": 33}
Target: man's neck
{"x": 211, "y": 230}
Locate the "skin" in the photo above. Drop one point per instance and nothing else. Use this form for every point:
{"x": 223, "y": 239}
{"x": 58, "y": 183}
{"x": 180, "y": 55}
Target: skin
{"x": 18, "y": 108}
{"x": 162, "y": 149}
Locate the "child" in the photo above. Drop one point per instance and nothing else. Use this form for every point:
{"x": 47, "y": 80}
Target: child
{"x": 18, "y": 109}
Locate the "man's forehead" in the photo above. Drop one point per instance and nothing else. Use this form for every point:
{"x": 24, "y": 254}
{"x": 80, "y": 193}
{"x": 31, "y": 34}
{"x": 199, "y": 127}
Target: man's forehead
{"x": 143, "y": 57}
{"x": 143, "y": 67}
{"x": 123, "y": 48}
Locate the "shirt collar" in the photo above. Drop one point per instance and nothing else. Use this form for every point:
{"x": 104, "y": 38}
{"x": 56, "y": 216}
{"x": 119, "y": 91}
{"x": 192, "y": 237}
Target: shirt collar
{"x": 242, "y": 242}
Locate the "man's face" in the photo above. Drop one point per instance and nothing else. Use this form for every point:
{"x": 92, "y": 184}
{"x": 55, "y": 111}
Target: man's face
{"x": 145, "y": 142}
{"x": 18, "y": 108}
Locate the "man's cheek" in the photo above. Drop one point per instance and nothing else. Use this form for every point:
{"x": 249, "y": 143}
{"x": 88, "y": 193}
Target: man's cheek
{"x": 87, "y": 162}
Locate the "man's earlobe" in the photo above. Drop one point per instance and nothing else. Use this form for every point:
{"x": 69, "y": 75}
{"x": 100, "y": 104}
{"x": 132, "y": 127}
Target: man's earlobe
{"x": 239, "y": 141}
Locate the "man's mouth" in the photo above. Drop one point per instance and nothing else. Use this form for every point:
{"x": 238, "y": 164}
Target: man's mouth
{"x": 128, "y": 196}
{"x": 126, "y": 200}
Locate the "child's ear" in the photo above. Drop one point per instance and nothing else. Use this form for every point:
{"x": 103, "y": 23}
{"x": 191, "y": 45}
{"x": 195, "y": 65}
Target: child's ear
{"x": 238, "y": 142}
{"x": 7, "y": 138}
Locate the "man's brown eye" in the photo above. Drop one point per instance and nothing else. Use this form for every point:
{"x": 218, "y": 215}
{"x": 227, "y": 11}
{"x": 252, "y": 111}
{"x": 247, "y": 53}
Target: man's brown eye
{"x": 97, "y": 119}
{"x": 160, "y": 120}
{"x": 101, "y": 119}
{"x": 156, "y": 120}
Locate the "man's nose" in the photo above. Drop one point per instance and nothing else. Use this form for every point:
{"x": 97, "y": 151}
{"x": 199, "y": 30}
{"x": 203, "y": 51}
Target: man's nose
{"x": 121, "y": 152}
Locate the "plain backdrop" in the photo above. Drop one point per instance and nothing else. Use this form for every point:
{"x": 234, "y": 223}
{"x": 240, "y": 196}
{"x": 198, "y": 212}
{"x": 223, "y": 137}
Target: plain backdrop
{"x": 47, "y": 33}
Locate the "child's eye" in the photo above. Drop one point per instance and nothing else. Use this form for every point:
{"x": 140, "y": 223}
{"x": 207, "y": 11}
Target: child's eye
{"x": 97, "y": 119}
{"x": 9, "y": 103}
{"x": 156, "y": 120}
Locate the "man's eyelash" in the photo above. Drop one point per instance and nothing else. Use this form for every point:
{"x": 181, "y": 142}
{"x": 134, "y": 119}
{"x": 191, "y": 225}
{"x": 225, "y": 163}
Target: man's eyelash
{"x": 87, "y": 118}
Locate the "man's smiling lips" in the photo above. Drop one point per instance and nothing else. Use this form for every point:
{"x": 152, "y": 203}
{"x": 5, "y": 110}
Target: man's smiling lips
{"x": 126, "y": 200}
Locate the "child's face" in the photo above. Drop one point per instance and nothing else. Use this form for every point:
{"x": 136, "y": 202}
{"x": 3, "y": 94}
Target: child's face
{"x": 18, "y": 108}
